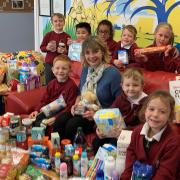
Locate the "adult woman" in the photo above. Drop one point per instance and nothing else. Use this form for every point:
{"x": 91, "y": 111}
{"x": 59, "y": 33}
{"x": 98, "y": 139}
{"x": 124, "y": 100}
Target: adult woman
{"x": 98, "y": 77}
{"x": 105, "y": 32}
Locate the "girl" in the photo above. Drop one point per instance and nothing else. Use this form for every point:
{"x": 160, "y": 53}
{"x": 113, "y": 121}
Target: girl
{"x": 155, "y": 143}
{"x": 54, "y": 43}
{"x": 105, "y": 32}
{"x": 162, "y": 61}
{"x": 98, "y": 77}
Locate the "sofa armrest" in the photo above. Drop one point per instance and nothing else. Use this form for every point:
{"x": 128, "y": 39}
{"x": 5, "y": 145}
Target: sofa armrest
{"x": 24, "y": 102}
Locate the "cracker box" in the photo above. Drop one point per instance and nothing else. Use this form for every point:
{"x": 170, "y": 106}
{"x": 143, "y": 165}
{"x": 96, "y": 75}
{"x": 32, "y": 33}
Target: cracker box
{"x": 106, "y": 119}
{"x": 123, "y": 142}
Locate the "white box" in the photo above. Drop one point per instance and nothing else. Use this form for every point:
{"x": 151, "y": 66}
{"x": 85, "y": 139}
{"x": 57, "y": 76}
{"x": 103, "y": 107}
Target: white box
{"x": 123, "y": 142}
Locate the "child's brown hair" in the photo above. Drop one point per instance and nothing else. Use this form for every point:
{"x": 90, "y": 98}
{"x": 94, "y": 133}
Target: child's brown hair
{"x": 135, "y": 73}
{"x": 59, "y": 15}
{"x": 166, "y": 26}
{"x": 165, "y": 97}
{"x": 131, "y": 29}
{"x": 94, "y": 43}
{"x": 62, "y": 58}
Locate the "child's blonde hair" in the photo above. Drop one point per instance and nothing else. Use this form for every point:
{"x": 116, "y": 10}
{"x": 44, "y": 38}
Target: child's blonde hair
{"x": 166, "y": 26}
{"x": 62, "y": 58}
{"x": 94, "y": 43}
{"x": 134, "y": 73}
{"x": 59, "y": 15}
{"x": 165, "y": 97}
{"x": 131, "y": 29}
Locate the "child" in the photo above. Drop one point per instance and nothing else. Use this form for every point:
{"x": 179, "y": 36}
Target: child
{"x": 54, "y": 43}
{"x": 105, "y": 32}
{"x": 155, "y": 143}
{"x": 129, "y": 103}
{"x": 61, "y": 85}
{"x": 83, "y": 31}
{"x": 161, "y": 61}
{"x": 128, "y": 38}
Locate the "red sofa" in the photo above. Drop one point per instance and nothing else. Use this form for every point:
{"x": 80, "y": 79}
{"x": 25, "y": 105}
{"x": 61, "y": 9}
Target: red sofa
{"x": 24, "y": 102}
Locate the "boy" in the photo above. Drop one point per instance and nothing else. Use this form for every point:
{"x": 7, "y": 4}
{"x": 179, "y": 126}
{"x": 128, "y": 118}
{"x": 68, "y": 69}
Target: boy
{"x": 83, "y": 31}
{"x": 54, "y": 43}
{"x": 61, "y": 85}
{"x": 128, "y": 44}
{"x": 129, "y": 103}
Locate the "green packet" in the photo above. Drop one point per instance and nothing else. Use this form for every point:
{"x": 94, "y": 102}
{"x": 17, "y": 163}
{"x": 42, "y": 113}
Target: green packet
{"x": 33, "y": 172}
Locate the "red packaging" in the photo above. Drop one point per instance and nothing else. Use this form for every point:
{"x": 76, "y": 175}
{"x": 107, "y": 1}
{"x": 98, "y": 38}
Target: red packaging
{"x": 150, "y": 50}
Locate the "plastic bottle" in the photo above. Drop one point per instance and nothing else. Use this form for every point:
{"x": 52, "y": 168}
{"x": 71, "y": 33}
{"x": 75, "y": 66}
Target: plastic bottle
{"x": 84, "y": 164}
{"x": 80, "y": 140}
{"x": 100, "y": 175}
{"x": 109, "y": 166}
{"x": 76, "y": 165}
{"x": 63, "y": 171}
{"x": 115, "y": 175}
{"x": 57, "y": 162}
{"x": 120, "y": 164}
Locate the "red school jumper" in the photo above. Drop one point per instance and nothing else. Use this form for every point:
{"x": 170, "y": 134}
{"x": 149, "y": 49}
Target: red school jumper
{"x": 165, "y": 154}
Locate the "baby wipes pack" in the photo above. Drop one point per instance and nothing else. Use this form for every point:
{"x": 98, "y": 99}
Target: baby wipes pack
{"x": 106, "y": 119}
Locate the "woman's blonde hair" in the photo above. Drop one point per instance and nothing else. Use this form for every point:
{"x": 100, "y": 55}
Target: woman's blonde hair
{"x": 94, "y": 43}
{"x": 165, "y": 97}
{"x": 135, "y": 73}
{"x": 166, "y": 26}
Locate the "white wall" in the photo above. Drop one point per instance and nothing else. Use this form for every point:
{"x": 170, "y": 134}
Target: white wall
{"x": 16, "y": 31}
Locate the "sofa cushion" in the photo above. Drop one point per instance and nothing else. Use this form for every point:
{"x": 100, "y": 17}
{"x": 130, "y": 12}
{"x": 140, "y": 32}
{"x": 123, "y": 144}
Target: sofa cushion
{"x": 157, "y": 80}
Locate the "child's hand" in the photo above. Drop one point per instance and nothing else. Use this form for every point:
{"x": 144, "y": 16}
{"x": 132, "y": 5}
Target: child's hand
{"x": 33, "y": 114}
{"x": 62, "y": 50}
{"x": 50, "y": 121}
{"x": 118, "y": 63}
{"x": 100, "y": 134}
{"x": 141, "y": 57}
{"x": 73, "y": 109}
{"x": 70, "y": 41}
{"x": 89, "y": 114}
{"x": 51, "y": 46}
{"x": 169, "y": 48}
{"x": 115, "y": 132}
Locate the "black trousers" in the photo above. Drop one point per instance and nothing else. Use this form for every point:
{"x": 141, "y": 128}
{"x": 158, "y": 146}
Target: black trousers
{"x": 48, "y": 73}
{"x": 97, "y": 142}
{"x": 67, "y": 125}
{"x": 2, "y": 111}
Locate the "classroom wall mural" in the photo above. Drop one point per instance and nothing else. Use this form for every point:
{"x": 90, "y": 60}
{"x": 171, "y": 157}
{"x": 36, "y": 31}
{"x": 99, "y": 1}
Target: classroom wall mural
{"x": 143, "y": 14}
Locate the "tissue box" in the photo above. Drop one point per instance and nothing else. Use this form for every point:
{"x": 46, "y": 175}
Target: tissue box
{"x": 74, "y": 52}
{"x": 123, "y": 142}
{"x": 106, "y": 119}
